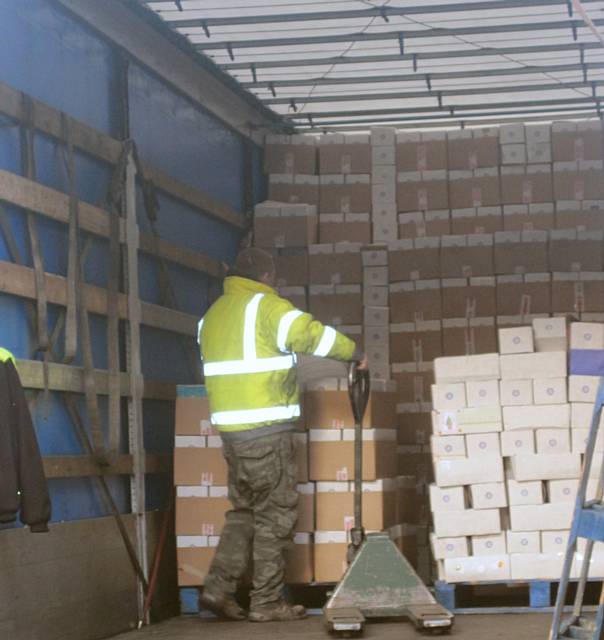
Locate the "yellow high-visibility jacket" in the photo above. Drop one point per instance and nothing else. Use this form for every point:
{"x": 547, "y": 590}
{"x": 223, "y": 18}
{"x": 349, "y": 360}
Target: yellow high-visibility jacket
{"x": 248, "y": 340}
{"x": 6, "y": 355}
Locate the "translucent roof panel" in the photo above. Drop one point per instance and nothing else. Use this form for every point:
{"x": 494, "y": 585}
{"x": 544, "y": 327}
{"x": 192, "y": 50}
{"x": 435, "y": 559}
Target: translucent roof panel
{"x": 347, "y": 64}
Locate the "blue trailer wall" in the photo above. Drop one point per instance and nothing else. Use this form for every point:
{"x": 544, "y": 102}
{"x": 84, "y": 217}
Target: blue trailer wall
{"x": 56, "y": 59}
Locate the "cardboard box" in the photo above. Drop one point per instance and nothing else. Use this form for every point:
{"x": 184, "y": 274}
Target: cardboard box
{"x": 572, "y": 250}
{"x": 541, "y": 517}
{"x": 407, "y": 499}
{"x": 340, "y": 154}
{"x": 562, "y": 490}
{"x": 331, "y": 454}
{"x": 296, "y": 295}
{"x": 522, "y": 295}
{"x": 521, "y": 252}
{"x": 296, "y": 189}
{"x": 451, "y": 524}
{"x": 192, "y": 411}
{"x": 383, "y": 136}
{"x": 572, "y": 182}
{"x": 422, "y": 192}
{"x": 468, "y": 337}
{"x": 550, "y": 391}
{"x": 415, "y": 301}
{"x": 489, "y": 545}
{"x": 552, "y": 416}
{"x": 482, "y": 393}
{"x": 477, "y": 568}
{"x": 488, "y": 495}
{"x": 331, "y": 410}
{"x": 554, "y": 541}
{"x": 529, "y": 217}
{"x": 345, "y": 227}
{"x": 586, "y": 335}
{"x": 516, "y": 340}
{"x": 549, "y": 364}
{"x": 582, "y": 388}
{"x": 474, "y": 189}
{"x": 536, "y": 566}
{"x": 299, "y": 567}
{"x": 198, "y": 460}
{"x": 476, "y": 220}
{"x": 517, "y": 443}
{"x": 468, "y": 298}
{"x": 579, "y": 439}
{"x": 467, "y": 368}
{"x": 523, "y": 542}
{"x": 200, "y": 511}
{"x": 546, "y": 467}
{"x": 426, "y": 151}
{"x": 446, "y": 397}
{"x": 344, "y": 196}
{"x": 335, "y": 264}
{"x": 578, "y": 293}
{"x": 286, "y": 231}
{"x": 516, "y": 392}
{"x": 194, "y": 555}
{"x": 525, "y": 493}
{"x": 526, "y": 184}
{"x": 290, "y": 154}
{"x": 335, "y": 505}
{"x": 550, "y": 334}
{"x": 449, "y": 499}
{"x": 451, "y": 472}
{"x": 292, "y": 268}
{"x": 466, "y": 256}
{"x": 468, "y": 150}
{"x": 330, "y": 549}
{"x": 415, "y": 342}
{"x": 449, "y": 547}
{"x": 512, "y": 134}
{"x": 382, "y": 155}
{"x": 417, "y": 259}
{"x": 569, "y": 143}
{"x": 336, "y": 304}
{"x": 413, "y": 386}
{"x": 553, "y": 441}
{"x": 478, "y": 444}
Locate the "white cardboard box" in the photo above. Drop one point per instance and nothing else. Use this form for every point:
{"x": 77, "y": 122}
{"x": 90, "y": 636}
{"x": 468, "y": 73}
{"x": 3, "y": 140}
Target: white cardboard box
{"x": 466, "y": 368}
{"x": 449, "y": 397}
{"x": 490, "y": 495}
{"x": 480, "y": 443}
{"x": 465, "y": 421}
{"x": 516, "y": 392}
{"x": 516, "y": 340}
{"x": 587, "y": 335}
{"x": 517, "y": 442}
{"x": 451, "y": 524}
{"x": 536, "y": 566}
{"x": 549, "y": 391}
{"x": 581, "y": 415}
{"x": 583, "y": 388}
{"x": 543, "y": 517}
{"x": 482, "y": 393}
{"x": 525, "y": 493}
{"x": 489, "y": 545}
{"x": 523, "y": 542}
{"x": 463, "y": 471}
{"x": 562, "y": 490}
{"x": 450, "y": 499}
{"x": 478, "y": 568}
{"x": 448, "y": 447}
{"x": 579, "y": 437}
{"x": 553, "y": 441}
{"x": 550, "y": 334}
{"x": 549, "y": 416}
{"x": 548, "y": 364}
{"x": 546, "y": 467}
{"x": 554, "y": 541}
{"x": 449, "y": 547}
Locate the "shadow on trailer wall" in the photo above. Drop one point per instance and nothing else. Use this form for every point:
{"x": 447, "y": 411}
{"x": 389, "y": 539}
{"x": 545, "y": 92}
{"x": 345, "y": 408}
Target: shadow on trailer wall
{"x": 77, "y": 580}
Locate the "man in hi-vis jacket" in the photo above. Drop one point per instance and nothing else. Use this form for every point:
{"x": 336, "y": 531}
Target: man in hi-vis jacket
{"x": 248, "y": 339}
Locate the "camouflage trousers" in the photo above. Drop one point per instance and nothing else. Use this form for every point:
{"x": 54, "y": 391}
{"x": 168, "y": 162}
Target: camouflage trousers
{"x": 259, "y": 529}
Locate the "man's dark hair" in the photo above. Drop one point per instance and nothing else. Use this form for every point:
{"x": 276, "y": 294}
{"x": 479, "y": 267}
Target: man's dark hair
{"x": 253, "y": 263}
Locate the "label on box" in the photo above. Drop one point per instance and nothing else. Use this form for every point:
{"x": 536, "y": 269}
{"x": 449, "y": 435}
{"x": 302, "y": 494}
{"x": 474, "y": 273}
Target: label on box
{"x": 342, "y": 474}
{"x": 422, "y": 199}
{"x": 207, "y": 478}
{"x": 527, "y": 191}
{"x": 579, "y": 188}
{"x": 476, "y": 197}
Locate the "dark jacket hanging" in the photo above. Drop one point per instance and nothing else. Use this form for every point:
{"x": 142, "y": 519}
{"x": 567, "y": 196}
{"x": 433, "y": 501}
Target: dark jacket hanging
{"x": 23, "y": 487}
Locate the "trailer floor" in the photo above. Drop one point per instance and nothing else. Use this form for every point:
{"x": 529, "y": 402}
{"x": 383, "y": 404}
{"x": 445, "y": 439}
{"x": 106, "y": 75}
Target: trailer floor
{"x": 469, "y": 627}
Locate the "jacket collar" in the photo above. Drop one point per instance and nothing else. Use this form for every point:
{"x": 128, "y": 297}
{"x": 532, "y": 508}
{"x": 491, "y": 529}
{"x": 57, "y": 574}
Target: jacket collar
{"x": 236, "y": 284}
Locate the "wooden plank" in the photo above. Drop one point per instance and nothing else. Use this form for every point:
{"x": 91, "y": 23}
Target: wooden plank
{"x": 68, "y": 378}
{"x": 48, "y": 120}
{"x": 20, "y": 281}
{"x": 79, "y": 466}
{"x": 53, "y": 204}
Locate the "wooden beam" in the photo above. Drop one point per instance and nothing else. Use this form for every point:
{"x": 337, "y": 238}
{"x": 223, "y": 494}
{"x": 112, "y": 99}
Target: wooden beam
{"x": 20, "y": 281}
{"x": 67, "y": 378}
{"x": 53, "y": 204}
{"x": 101, "y": 146}
{"x": 80, "y": 466}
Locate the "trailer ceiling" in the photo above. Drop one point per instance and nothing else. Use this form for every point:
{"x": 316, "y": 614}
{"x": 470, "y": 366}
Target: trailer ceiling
{"x": 347, "y": 64}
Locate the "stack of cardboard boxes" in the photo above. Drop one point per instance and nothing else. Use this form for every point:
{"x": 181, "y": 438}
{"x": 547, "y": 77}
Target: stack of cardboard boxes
{"x": 509, "y": 430}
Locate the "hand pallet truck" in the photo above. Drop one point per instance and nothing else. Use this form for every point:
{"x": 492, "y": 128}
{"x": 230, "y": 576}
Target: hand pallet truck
{"x": 379, "y": 581}
{"x": 588, "y": 523}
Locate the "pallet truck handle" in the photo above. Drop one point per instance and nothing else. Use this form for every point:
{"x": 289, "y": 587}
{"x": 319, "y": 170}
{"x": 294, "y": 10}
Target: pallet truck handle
{"x": 358, "y": 390}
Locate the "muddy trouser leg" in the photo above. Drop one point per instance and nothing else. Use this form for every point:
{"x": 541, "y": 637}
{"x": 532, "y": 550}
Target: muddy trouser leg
{"x": 234, "y": 551}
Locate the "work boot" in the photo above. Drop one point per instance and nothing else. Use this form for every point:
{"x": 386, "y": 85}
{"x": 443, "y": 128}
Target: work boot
{"x": 223, "y": 606}
{"x": 280, "y": 611}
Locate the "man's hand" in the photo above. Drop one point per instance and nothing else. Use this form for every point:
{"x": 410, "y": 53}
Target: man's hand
{"x": 363, "y": 363}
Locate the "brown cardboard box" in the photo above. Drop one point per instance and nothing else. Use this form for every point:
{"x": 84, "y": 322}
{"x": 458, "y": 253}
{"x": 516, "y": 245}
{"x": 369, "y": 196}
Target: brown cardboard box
{"x": 416, "y": 259}
{"x": 469, "y": 297}
{"x": 330, "y": 555}
{"x": 331, "y": 454}
{"x": 406, "y": 499}
{"x": 421, "y": 151}
{"x": 576, "y": 141}
{"x": 478, "y": 190}
{"x": 331, "y": 410}
{"x": 335, "y": 505}
{"x": 344, "y": 197}
{"x": 349, "y": 227}
{"x": 526, "y": 184}
{"x": 476, "y": 220}
{"x": 414, "y": 461}
{"x": 524, "y": 295}
{"x": 422, "y": 194}
{"x": 578, "y": 293}
{"x": 292, "y": 268}
{"x": 335, "y": 264}
{"x": 340, "y": 154}
{"x": 466, "y": 256}
{"x": 571, "y": 250}
{"x": 285, "y": 231}
{"x": 290, "y": 154}
{"x": 469, "y": 149}
{"x": 192, "y": 412}
{"x": 528, "y": 217}
{"x": 198, "y": 514}
{"x": 306, "y": 507}
{"x": 415, "y": 428}
{"x": 299, "y": 563}
{"x": 415, "y": 301}
{"x": 576, "y": 183}
{"x": 296, "y": 295}
{"x": 336, "y": 304}
{"x": 298, "y": 189}
{"x": 200, "y": 465}
{"x": 521, "y": 252}
{"x": 463, "y": 337}
{"x": 413, "y": 386}
{"x": 193, "y": 559}
{"x": 580, "y": 215}
{"x": 415, "y": 342}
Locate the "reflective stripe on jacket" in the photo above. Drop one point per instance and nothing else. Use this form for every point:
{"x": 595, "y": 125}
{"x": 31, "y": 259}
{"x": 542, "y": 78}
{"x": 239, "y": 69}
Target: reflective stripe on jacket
{"x": 248, "y": 340}
{"x": 6, "y": 355}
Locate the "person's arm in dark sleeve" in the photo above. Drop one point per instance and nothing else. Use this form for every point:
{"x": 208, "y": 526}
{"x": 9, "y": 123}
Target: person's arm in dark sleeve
{"x": 35, "y": 501}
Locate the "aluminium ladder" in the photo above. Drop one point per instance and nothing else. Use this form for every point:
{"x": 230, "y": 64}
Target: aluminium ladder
{"x": 588, "y": 524}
